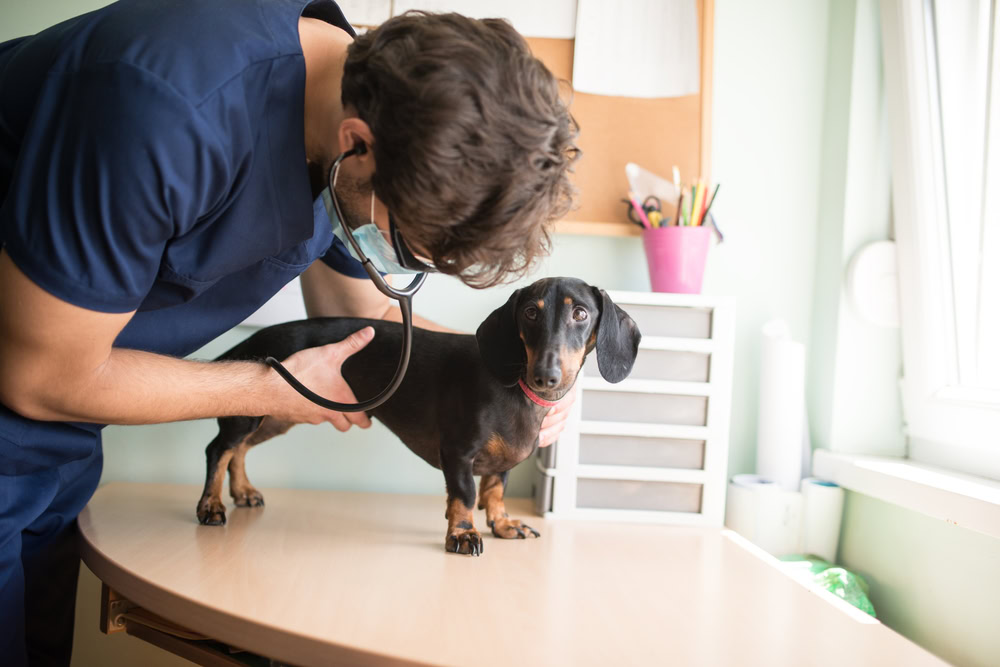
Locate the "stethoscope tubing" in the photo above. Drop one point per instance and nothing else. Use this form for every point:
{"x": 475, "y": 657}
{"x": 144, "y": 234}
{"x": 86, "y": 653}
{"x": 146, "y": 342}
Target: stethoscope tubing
{"x": 403, "y": 296}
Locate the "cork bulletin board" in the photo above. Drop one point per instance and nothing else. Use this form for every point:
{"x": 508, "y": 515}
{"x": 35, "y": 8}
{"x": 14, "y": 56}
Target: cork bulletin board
{"x": 654, "y": 133}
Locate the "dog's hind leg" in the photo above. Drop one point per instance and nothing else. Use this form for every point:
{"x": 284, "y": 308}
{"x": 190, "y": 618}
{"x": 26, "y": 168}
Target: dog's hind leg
{"x": 233, "y": 431}
{"x": 240, "y": 488}
{"x": 491, "y": 488}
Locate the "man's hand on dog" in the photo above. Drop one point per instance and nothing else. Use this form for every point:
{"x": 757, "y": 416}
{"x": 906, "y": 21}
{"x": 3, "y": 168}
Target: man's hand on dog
{"x": 555, "y": 421}
{"x": 319, "y": 369}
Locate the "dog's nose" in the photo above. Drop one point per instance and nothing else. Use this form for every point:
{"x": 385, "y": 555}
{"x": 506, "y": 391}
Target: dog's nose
{"x": 548, "y": 376}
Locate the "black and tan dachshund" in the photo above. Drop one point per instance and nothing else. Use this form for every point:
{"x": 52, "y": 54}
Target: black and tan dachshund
{"x": 469, "y": 405}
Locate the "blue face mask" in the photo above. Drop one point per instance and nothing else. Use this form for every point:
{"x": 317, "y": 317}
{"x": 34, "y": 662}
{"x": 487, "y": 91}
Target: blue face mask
{"x": 370, "y": 238}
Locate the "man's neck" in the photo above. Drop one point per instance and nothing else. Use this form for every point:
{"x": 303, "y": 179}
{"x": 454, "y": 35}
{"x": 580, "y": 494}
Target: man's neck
{"x": 324, "y": 48}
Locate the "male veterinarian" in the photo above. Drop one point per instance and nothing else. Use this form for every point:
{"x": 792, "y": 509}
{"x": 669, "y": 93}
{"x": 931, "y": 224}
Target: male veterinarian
{"x": 162, "y": 166}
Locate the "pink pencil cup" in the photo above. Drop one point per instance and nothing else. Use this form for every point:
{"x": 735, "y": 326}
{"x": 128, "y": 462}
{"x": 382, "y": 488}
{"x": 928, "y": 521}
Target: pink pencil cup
{"x": 676, "y": 257}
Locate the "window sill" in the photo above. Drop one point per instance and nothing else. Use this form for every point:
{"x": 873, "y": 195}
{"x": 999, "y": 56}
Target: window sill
{"x": 963, "y": 500}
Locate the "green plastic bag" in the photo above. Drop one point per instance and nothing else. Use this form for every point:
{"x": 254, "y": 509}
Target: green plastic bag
{"x": 844, "y": 584}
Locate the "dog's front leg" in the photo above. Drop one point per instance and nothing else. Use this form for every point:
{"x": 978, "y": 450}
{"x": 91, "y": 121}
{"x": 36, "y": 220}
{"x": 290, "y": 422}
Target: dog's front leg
{"x": 491, "y": 488}
{"x": 462, "y": 537}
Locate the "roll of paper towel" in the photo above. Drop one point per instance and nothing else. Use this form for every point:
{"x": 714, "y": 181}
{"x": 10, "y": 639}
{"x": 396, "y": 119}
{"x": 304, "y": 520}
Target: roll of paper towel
{"x": 781, "y": 406}
{"x": 823, "y": 509}
{"x": 761, "y": 511}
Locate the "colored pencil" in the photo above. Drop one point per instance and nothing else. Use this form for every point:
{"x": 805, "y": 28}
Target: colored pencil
{"x": 638, "y": 210}
{"x": 699, "y": 196}
{"x": 712, "y": 200}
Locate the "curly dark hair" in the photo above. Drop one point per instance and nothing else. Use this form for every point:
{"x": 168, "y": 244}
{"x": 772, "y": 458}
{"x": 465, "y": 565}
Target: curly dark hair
{"x": 472, "y": 141}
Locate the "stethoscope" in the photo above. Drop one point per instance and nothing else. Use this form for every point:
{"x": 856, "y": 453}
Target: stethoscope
{"x": 404, "y": 296}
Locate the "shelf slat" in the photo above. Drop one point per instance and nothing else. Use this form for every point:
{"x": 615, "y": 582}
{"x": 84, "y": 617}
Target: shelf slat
{"x": 641, "y": 473}
{"x": 594, "y": 383}
{"x": 672, "y": 344}
{"x": 637, "y": 516}
{"x": 626, "y": 429}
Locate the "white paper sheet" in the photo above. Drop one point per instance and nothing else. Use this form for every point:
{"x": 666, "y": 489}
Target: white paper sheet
{"x": 637, "y": 48}
{"x": 366, "y": 12}
{"x": 781, "y": 406}
{"x": 823, "y": 509}
{"x": 555, "y": 19}
{"x": 759, "y": 510}
{"x": 644, "y": 183}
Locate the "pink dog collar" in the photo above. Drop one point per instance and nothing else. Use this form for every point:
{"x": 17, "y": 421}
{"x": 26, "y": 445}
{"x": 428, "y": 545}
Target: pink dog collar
{"x": 535, "y": 398}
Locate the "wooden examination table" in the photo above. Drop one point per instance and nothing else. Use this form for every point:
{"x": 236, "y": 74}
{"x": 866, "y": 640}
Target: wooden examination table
{"x": 336, "y": 578}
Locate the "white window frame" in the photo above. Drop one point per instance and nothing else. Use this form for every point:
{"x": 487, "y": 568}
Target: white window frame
{"x": 947, "y": 424}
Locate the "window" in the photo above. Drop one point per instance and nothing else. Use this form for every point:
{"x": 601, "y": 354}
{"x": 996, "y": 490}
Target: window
{"x": 942, "y": 67}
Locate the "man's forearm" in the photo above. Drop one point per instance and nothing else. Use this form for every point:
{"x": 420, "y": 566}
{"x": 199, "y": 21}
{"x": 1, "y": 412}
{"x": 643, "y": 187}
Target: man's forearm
{"x": 134, "y": 387}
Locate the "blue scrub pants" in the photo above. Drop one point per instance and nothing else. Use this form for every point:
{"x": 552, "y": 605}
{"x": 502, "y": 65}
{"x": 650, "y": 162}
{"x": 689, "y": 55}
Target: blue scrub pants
{"x": 40, "y": 560}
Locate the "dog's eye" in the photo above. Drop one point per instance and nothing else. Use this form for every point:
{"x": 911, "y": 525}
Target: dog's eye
{"x": 531, "y": 313}
{"x": 579, "y": 314}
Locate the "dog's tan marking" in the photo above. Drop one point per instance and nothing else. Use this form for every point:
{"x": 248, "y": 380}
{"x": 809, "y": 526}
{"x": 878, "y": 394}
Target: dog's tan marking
{"x": 210, "y": 508}
{"x": 457, "y": 512}
{"x": 497, "y": 456}
{"x": 220, "y": 474}
{"x": 570, "y": 361}
{"x": 568, "y": 301}
{"x": 462, "y": 536}
{"x": 244, "y": 493}
{"x": 529, "y": 356}
{"x": 491, "y": 499}
{"x": 541, "y": 303}
{"x": 496, "y": 447}
{"x": 240, "y": 488}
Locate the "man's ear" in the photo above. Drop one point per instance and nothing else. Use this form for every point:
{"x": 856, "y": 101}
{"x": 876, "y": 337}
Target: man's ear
{"x": 617, "y": 339}
{"x": 500, "y": 344}
{"x": 355, "y": 133}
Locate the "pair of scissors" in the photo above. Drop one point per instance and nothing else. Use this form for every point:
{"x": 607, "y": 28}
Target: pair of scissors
{"x": 653, "y": 209}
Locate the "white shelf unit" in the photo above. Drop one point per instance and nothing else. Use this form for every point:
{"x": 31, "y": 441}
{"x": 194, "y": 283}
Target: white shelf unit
{"x": 654, "y": 447}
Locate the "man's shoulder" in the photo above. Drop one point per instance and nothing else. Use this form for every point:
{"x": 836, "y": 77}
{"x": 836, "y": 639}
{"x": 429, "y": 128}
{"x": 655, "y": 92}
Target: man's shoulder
{"x": 195, "y": 47}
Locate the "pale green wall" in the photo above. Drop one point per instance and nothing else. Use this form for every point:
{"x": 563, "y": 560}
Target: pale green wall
{"x": 766, "y": 138}
{"x": 777, "y": 122}
{"x": 853, "y": 396}
{"x": 930, "y": 580}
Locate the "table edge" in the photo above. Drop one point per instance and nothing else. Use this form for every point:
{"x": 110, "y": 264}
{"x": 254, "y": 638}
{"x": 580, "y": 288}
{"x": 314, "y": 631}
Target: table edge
{"x": 264, "y": 639}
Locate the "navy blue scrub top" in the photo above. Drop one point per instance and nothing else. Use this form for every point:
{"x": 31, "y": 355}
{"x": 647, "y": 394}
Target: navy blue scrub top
{"x": 152, "y": 159}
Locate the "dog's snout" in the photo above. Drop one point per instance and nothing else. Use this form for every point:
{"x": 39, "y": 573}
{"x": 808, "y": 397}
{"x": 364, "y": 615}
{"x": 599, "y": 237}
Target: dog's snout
{"x": 548, "y": 377}
{"x": 548, "y": 372}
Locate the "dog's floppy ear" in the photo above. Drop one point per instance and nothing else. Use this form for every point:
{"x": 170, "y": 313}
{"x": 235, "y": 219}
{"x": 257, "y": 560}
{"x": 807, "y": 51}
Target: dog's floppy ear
{"x": 500, "y": 344}
{"x": 617, "y": 339}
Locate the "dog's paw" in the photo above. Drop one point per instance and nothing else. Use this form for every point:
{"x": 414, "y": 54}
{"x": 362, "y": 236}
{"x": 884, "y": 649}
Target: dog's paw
{"x": 211, "y": 512}
{"x": 467, "y": 541}
{"x": 248, "y": 497}
{"x": 509, "y": 529}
